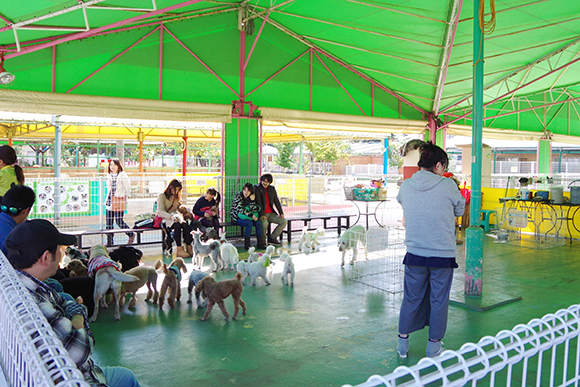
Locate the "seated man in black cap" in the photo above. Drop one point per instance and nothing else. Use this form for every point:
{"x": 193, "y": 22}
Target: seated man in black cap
{"x": 14, "y": 209}
{"x": 35, "y": 249}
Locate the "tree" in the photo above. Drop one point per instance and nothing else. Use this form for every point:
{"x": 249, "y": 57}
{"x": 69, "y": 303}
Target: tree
{"x": 285, "y": 152}
{"x": 328, "y": 151}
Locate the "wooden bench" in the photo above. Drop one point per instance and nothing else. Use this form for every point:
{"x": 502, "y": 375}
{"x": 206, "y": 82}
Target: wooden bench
{"x": 138, "y": 233}
{"x": 305, "y": 222}
{"x": 325, "y": 219}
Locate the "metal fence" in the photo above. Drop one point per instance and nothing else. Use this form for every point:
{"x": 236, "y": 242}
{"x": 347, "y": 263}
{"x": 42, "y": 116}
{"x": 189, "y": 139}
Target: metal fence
{"x": 30, "y": 353}
{"x": 78, "y": 204}
{"x": 544, "y": 352}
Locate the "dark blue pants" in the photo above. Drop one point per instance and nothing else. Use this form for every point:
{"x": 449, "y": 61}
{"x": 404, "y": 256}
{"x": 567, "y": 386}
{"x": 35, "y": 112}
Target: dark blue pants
{"x": 247, "y": 224}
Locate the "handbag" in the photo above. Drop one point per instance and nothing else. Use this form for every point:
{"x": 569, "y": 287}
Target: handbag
{"x": 157, "y": 221}
{"x": 118, "y": 203}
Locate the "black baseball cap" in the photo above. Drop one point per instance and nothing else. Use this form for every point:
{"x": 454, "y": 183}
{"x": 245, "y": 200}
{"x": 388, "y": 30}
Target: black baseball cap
{"x": 34, "y": 237}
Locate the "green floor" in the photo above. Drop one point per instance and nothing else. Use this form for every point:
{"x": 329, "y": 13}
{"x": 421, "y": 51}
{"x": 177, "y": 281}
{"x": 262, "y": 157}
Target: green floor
{"x": 327, "y": 330}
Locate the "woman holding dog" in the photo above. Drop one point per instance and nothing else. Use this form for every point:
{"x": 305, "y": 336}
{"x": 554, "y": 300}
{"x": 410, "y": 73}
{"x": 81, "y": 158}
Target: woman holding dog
{"x": 244, "y": 212}
{"x": 430, "y": 204}
{"x": 205, "y": 208}
{"x": 167, "y": 204}
{"x": 119, "y": 188}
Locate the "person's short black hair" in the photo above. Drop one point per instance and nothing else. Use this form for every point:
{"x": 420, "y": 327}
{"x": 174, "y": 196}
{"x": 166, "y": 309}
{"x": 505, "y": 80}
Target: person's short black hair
{"x": 267, "y": 177}
{"x": 249, "y": 186}
{"x": 16, "y": 199}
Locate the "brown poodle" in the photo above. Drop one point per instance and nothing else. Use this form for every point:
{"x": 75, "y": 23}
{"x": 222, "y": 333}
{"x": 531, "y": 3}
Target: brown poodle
{"x": 187, "y": 215}
{"x": 172, "y": 281}
{"x": 217, "y": 292}
{"x": 77, "y": 268}
{"x": 147, "y": 275}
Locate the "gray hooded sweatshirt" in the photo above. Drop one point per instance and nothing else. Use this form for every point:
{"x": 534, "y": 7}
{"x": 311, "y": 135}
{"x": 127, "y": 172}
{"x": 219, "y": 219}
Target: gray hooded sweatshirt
{"x": 430, "y": 204}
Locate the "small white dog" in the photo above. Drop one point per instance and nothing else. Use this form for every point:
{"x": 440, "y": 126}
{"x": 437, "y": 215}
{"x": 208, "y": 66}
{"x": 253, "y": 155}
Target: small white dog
{"x": 107, "y": 276}
{"x": 349, "y": 241}
{"x": 288, "y": 269}
{"x": 253, "y": 256}
{"x": 260, "y": 269}
{"x": 210, "y": 249}
{"x": 228, "y": 253}
{"x": 243, "y": 268}
{"x": 309, "y": 239}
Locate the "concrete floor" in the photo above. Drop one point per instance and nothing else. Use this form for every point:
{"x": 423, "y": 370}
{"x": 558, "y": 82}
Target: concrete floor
{"x": 327, "y": 330}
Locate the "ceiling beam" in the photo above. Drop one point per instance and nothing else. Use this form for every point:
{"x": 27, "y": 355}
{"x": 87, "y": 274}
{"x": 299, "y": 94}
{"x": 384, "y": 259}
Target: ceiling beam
{"x": 94, "y": 31}
{"x": 451, "y": 31}
{"x": 306, "y": 42}
{"x": 518, "y": 70}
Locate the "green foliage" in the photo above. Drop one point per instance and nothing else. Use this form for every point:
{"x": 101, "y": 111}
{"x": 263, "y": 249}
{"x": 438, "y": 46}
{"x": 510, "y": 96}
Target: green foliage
{"x": 328, "y": 151}
{"x": 395, "y": 159}
{"x": 285, "y": 152}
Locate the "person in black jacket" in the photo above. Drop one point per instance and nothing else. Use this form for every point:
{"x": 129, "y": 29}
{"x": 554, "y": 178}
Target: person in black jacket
{"x": 267, "y": 199}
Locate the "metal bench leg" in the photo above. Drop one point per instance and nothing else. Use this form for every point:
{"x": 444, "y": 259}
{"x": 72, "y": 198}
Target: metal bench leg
{"x": 289, "y": 231}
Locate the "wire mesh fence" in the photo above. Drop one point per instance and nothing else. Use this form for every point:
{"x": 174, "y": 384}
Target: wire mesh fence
{"x": 382, "y": 267}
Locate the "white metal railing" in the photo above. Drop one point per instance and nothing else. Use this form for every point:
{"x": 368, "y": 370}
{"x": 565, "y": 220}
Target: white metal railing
{"x": 30, "y": 352}
{"x": 544, "y": 352}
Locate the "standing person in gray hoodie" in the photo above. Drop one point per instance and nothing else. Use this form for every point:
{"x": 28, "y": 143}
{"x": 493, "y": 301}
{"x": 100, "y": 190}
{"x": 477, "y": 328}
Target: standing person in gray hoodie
{"x": 430, "y": 204}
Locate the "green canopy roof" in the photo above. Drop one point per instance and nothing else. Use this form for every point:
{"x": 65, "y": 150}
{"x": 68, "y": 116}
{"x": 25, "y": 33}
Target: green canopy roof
{"x": 387, "y": 59}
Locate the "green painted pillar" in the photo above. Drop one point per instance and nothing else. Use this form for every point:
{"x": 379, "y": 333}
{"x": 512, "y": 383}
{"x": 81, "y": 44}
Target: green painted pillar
{"x": 440, "y": 138}
{"x": 474, "y": 234}
{"x": 544, "y": 156}
{"x": 241, "y": 150}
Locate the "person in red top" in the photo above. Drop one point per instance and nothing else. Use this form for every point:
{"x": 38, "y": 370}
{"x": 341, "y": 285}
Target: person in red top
{"x": 267, "y": 199}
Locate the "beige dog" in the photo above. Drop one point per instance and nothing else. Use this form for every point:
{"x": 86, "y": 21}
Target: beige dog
{"x": 147, "y": 275}
{"x": 77, "y": 268}
{"x": 107, "y": 276}
{"x": 216, "y": 292}
{"x": 171, "y": 281}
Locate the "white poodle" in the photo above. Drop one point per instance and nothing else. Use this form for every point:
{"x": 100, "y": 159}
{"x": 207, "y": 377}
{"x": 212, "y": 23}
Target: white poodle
{"x": 309, "y": 239}
{"x": 260, "y": 269}
{"x": 288, "y": 269}
{"x": 228, "y": 253}
{"x": 349, "y": 241}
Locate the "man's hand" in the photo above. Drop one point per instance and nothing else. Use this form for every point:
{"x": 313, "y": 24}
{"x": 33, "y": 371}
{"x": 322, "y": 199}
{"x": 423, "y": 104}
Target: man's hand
{"x": 263, "y": 217}
{"x": 78, "y": 321}
{"x": 252, "y": 197}
{"x": 281, "y": 216}
{"x": 207, "y": 214}
{"x": 254, "y": 217}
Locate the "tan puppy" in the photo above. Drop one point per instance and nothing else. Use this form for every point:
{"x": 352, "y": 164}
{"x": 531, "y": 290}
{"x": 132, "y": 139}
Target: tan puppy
{"x": 171, "y": 281}
{"x": 147, "y": 275}
{"x": 216, "y": 292}
{"x": 77, "y": 268}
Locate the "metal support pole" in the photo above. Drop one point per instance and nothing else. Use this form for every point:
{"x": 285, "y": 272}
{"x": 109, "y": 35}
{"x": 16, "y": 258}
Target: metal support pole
{"x": 474, "y": 234}
{"x": 300, "y": 162}
{"x": 386, "y": 159}
{"x": 309, "y": 195}
{"x": 184, "y": 157}
{"x": 56, "y": 161}
{"x": 140, "y": 139}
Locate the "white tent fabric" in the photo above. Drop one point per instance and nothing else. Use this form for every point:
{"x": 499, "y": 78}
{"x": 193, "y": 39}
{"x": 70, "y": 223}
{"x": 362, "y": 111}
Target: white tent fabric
{"x": 299, "y": 119}
{"x": 112, "y": 107}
